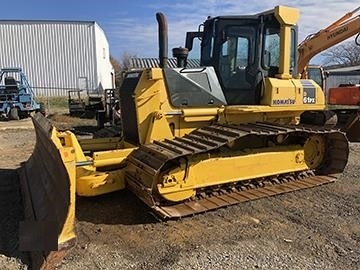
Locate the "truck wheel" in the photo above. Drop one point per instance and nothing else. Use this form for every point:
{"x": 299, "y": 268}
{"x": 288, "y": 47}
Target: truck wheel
{"x": 331, "y": 118}
{"x": 14, "y": 114}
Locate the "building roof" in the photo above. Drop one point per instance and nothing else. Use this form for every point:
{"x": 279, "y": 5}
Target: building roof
{"x": 140, "y": 63}
{"x": 45, "y": 22}
{"x": 345, "y": 69}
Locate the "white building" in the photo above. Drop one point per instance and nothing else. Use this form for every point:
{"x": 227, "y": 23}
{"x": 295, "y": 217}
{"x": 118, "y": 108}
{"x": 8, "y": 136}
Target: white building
{"x": 57, "y": 56}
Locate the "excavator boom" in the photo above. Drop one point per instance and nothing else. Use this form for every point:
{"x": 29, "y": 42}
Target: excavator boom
{"x": 345, "y": 27}
{"x": 338, "y": 112}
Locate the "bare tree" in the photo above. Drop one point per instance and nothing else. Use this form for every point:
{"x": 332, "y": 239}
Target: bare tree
{"x": 118, "y": 70}
{"x": 126, "y": 60}
{"x": 121, "y": 66}
{"x": 344, "y": 54}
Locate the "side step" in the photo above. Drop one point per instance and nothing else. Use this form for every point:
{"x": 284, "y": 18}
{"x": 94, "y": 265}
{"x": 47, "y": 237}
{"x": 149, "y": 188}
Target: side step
{"x": 225, "y": 198}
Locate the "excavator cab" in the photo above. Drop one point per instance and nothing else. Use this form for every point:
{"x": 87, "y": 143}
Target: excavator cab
{"x": 243, "y": 51}
{"x": 317, "y": 74}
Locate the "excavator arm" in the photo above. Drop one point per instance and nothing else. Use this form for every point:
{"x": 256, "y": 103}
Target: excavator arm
{"x": 338, "y": 31}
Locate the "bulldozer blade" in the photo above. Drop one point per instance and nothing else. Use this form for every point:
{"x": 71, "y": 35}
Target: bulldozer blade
{"x": 352, "y": 128}
{"x": 47, "y": 181}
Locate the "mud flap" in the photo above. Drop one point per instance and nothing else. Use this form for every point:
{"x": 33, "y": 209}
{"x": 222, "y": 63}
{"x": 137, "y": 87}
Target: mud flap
{"x": 352, "y": 127}
{"x": 47, "y": 182}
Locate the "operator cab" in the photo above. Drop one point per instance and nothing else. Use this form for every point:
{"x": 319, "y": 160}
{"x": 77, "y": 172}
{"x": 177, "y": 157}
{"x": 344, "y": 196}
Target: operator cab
{"x": 243, "y": 51}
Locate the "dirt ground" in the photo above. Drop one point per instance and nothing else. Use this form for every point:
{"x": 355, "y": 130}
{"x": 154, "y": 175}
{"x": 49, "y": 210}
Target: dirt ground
{"x": 317, "y": 228}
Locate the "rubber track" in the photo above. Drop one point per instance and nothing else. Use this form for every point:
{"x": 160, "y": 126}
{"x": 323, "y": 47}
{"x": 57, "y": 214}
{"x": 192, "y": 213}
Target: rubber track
{"x": 152, "y": 158}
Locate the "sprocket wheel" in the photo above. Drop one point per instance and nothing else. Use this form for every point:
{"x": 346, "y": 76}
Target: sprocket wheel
{"x": 315, "y": 148}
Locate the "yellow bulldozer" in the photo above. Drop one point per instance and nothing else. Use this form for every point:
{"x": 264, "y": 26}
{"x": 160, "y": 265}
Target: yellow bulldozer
{"x": 195, "y": 139}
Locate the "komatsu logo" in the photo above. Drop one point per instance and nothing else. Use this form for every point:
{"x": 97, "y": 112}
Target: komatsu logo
{"x": 288, "y": 101}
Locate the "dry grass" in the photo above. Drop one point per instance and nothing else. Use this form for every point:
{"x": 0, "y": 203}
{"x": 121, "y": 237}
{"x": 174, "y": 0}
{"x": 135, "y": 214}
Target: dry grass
{"x": 60, "y": 102}
{"x": 65, "y": 121}
{"x": 55, "y": 104}
{"x": 62, "y": 118}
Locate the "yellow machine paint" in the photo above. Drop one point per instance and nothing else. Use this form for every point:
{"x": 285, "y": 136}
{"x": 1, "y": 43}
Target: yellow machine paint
{"x": 158, "y": 173}
{"x": 231, "y": 167}
{"x": 68, "y": 158}
{"x": 92, "y": 180}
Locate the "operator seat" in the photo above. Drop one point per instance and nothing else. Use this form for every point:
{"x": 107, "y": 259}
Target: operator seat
{"x": 11, "y": 86}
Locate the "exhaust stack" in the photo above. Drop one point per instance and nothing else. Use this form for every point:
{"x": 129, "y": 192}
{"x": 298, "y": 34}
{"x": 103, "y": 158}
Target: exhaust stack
{"x": 163, "y": 39}
{"x": 181, "y": 55}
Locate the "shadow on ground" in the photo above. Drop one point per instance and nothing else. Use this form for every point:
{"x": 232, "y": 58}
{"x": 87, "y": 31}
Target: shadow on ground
{"x": 121, "y": 207}
{"x": 11, "y": 212}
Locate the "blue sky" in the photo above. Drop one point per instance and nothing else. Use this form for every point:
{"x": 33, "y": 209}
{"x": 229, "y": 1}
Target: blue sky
{"x": 131, "y": 28}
